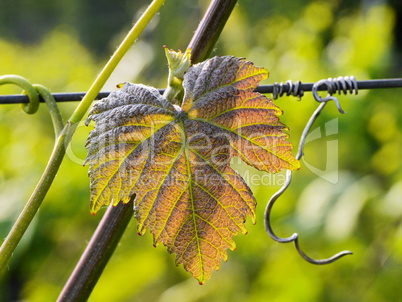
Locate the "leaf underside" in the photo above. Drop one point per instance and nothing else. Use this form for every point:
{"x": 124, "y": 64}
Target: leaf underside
{"x": 177, "y": 160}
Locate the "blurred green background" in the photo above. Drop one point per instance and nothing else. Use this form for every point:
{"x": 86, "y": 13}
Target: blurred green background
{"x": 348, "y": 194}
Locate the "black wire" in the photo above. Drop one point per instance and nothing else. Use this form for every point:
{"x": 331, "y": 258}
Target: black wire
{"x": 362, "y": 85}
{"x": 77, "y": 96}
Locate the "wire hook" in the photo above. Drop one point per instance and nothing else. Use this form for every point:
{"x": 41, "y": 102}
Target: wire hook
{"x": 340, "y": 84}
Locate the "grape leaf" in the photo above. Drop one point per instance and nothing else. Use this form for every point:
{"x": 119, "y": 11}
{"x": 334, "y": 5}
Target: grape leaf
{"x": 176, "y": 160}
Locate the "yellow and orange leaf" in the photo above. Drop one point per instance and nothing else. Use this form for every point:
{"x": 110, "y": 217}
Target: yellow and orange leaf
{"x": 176, "y": 160}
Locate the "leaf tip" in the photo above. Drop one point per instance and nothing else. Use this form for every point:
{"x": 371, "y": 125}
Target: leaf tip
{"x": 87, "y": 121}
{"x": 266, "y": 72}
{"x": 294, "y": 164}
{"x": 141, "y": 231}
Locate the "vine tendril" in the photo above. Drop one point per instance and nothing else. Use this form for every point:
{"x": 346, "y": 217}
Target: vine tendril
{"x": 34, "y": 92}
{"x": 54, "y": 111}
{"x": 29, "y": 90}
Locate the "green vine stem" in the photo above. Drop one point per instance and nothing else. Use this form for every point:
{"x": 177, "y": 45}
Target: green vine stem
{"x": 128, "y": 41}
{"x": 28, "y": 213}
{"x": 32, "y": 206}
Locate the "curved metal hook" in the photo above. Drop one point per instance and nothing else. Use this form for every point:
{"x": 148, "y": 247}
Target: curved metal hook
{"x": 329, "y": 97}
{"x": 320, "y": 261}
{"x": 339, "y": 85}
{"x": 268, "y": 209}
{"x": 271, "y": 202}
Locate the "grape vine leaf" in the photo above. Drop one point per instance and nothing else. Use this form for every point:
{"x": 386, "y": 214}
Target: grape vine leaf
{"x": 176, "y": 160}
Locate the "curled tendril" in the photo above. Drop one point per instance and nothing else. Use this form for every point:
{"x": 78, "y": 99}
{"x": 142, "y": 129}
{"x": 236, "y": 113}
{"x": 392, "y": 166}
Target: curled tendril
{"x": 29, "y": 90}
{"x": 267, "y": 216}
{"x": 54, "y": 111}
{"x": 34, "y": 92}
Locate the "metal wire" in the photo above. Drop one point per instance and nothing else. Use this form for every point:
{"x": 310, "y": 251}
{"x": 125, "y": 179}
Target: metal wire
{"x": 291, "y": 88}
{"x": 278, "y": 90}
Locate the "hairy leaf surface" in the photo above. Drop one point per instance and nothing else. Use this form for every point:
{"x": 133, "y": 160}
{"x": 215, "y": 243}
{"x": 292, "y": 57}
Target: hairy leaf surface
{"x": 176, "y": 160}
